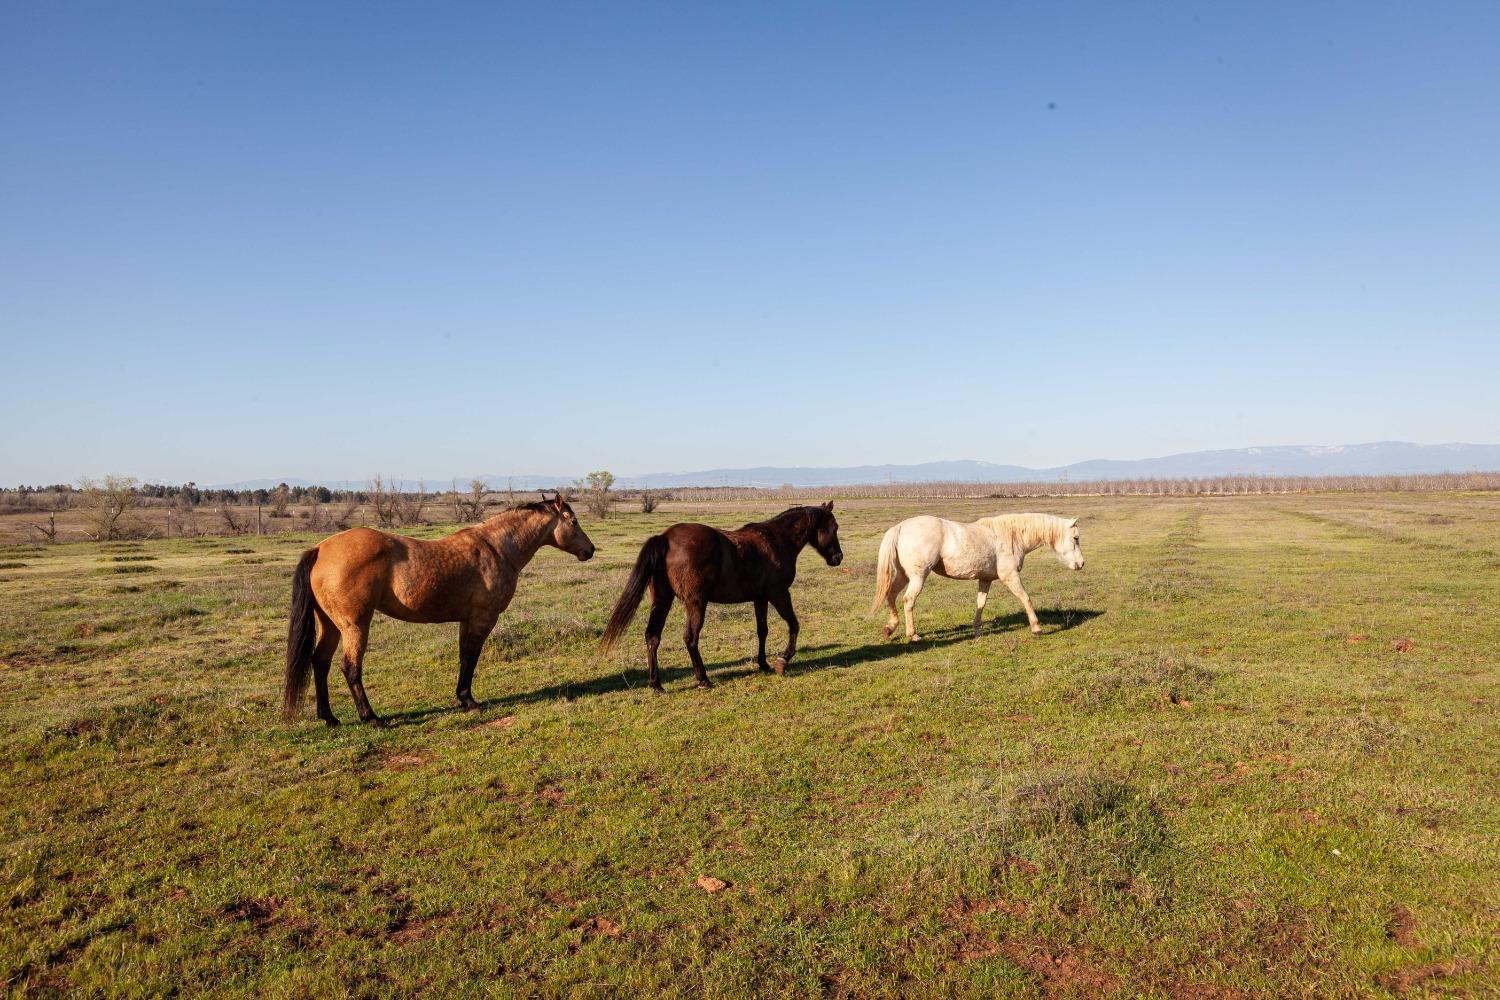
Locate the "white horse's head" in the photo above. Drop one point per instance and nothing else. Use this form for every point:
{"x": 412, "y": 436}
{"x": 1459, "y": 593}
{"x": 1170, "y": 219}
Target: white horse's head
{"x": 1067, "y": 546}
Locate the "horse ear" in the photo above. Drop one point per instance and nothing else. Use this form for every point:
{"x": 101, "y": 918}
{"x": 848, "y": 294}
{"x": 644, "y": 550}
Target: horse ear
{"x": 828, "y": 505}
{"x": 559, "y": 502}
{"x": 1073, "y": 523}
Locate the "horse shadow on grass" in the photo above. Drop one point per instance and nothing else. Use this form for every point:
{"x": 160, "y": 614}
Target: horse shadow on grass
{"x": 828, "y": 656}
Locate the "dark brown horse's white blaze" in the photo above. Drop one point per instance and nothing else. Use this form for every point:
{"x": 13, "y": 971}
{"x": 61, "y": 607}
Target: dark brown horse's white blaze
{"x": 468, "y": 577}
{"x": 704, "y": 565}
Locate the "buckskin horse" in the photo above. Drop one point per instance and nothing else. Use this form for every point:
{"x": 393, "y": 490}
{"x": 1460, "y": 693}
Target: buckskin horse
{"x": 468, "y": 577}
{"x": 704, "y": 565}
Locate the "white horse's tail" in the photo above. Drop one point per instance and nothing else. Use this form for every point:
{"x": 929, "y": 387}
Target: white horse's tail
{"x": 887, "y": 567}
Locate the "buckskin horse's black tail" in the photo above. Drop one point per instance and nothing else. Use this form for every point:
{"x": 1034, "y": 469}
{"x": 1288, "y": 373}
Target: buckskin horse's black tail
{"x": 299, "y": 634}
{"x": 653, "y": 556}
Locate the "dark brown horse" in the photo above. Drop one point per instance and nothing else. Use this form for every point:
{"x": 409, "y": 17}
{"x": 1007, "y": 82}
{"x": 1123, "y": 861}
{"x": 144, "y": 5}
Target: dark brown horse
{"x": 704, "y": 565}
{"x": 468, "y": 577}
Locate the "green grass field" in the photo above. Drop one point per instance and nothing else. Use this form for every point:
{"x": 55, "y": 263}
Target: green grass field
{"x": 1216, "y": 774}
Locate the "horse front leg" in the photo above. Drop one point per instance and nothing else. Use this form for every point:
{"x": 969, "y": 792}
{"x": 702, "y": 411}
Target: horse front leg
{"x": 1013, "y": 581}
{"x": 760, "y": 636}
{"x": 979, "y": 599}
{"x": 782, "y": 602}
{"x": 471, "y": 639}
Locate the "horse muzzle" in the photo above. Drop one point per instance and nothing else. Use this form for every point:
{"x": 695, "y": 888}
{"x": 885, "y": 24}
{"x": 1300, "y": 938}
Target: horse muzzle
{"x": 835, "y": 558}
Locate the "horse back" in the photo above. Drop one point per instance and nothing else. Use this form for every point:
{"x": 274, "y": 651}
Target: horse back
{"x": 949, "y": 548}
{"x": 726, "y": 567}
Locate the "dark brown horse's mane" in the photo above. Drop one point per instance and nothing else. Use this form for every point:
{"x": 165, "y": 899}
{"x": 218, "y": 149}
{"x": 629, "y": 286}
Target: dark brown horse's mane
{"x": 788, "y": 514}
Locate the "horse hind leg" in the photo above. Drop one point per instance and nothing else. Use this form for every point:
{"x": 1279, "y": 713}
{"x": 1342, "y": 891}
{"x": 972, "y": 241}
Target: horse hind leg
{"x": 356, "y": 637}
{"x": 328, "y": 643}
{"x": 695, "y": 610}
{"x": 893, "y": 620}
{"x": 661, "y": 604}
{"x": 913, "y": 591}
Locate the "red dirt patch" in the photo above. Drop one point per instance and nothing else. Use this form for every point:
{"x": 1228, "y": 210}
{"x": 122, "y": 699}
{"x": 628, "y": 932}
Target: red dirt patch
{"x": 1403, "y": 645}
{"x": 1203, "y": 991}
{"x": 508, "y": 722}
{"x": 1405, "y": 980}
{"x": 595, "y": 927}
{"x": 1402, "y": 927}
{"x": 1061, "y": 974}
{"x": 406, "y": 761}
{"x": 1358, "y": 637}
{"x": 417, "y": 930}
{"x": 710, "y": 884}
{"x": 265, "y": 915}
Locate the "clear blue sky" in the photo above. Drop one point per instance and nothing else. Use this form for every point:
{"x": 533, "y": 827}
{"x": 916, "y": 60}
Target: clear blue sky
{"x": 243, "y": 240}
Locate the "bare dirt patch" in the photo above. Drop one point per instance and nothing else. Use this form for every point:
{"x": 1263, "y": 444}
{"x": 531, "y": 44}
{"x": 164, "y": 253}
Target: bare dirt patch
{"x": 1403, "y": 981}
{"x": 1402, "y": 927}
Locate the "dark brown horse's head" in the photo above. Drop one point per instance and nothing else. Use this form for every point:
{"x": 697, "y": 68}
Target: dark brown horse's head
{"x": 825, "y": 534}
{"x": 567, "y": 533}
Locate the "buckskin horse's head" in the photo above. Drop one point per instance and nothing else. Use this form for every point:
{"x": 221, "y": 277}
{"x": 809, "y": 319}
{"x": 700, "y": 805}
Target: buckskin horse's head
{"x": 567, "y": 533}
{"x": 825, "y": 534}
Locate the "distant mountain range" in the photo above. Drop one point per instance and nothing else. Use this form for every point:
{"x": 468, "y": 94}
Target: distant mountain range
{"x": 1380, "y": 458}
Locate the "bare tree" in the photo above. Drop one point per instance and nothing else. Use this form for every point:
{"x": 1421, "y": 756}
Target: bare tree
{"x": 106, "y": 506}
{"x": 231, "y": 523}
{"x": 471, "y": 507}
{"x": 48, "y": 531}
{"x": 410, "y": 506}
{"x": 595, "y": 488}
{"x": 280, "y": 497}
{"x": 649, "y": 501}
{"x": 347, "y": 517}
{"x": 383, "y": 502}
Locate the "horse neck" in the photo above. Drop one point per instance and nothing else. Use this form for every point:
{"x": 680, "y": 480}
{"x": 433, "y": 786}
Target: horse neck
{"x": 798, "y": 533}
{"x": 517, "y": 534}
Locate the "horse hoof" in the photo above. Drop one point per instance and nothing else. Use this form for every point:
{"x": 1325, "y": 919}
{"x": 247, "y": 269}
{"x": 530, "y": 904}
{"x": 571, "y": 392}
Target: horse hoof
{"x": 375, "y": 722}
{"x": 780, "y": 667}
{"x": 330, "y": 721}
{"x": 763, "y": 667}
{"x": 914, "y": 638}
{"x": 705, "y": 684}
{"x": 471, "y": 706}
{"x": 1036, "y": 630}
{"x": 888, "y": 631}
{"x": 656, "y": 688}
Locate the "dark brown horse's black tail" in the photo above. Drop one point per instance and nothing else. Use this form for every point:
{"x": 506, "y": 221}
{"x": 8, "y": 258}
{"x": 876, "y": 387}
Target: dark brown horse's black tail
{"x": 653, "y": 556}
{"x": 299, "y": 634}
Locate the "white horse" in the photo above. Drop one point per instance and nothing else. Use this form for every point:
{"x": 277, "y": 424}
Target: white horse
{"x": 990, "y": 549}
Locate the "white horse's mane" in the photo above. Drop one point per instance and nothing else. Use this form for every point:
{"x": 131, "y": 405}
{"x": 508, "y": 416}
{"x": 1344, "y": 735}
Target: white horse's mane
{"x": 1028, "y": 531}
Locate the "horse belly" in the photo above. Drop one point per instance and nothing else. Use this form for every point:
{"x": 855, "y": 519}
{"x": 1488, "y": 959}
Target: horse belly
{"x": 965, "y": 562}
{"x": 434, "y": 591}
